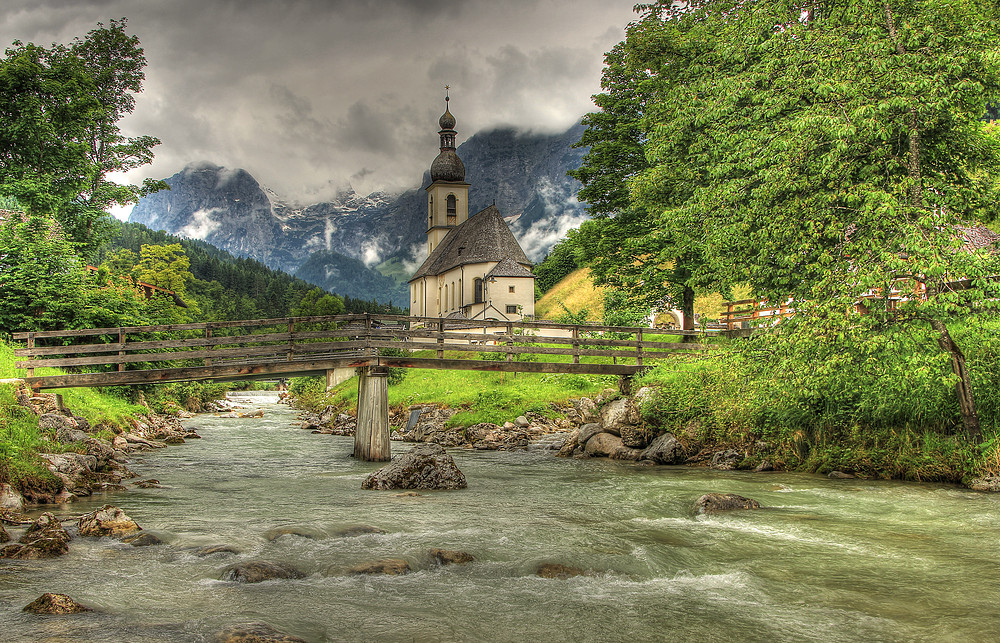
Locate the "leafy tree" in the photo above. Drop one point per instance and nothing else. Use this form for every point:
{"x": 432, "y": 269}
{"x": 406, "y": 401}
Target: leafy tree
{"x": 318, "y": 303}
{"x": 165, "y": 267}
{"x": 59, "y": 137}
{"x": 846, "y": 156}
{"x": 42, "y": 280}
{"x": 560, "y": 262}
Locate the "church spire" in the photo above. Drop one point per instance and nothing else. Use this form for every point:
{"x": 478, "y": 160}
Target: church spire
{"x": 447, "y": 166}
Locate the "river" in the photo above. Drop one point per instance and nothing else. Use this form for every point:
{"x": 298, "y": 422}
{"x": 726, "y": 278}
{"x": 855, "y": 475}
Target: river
{"x": 843, "y": 560}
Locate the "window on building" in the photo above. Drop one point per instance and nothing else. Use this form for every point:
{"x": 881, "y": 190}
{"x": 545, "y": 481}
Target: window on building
{"x": 452, "y": 209}
{"x": 453, "y": 295}
{"x": 478, "y": 285}
{"x": 511, "y": 309}
{"x": 510, "y": 289}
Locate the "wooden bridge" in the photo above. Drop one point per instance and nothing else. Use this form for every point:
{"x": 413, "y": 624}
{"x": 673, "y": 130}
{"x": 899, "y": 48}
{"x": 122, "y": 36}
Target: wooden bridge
{"x": 265, "y": 348}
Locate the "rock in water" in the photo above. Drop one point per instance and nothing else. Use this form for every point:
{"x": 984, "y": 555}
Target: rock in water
{"x": 425, "y": 466}
{"x": 450, "y": 557}
{"x": 45, "y": 538}
{"x": 387, "y": 566}
{"x": 713, "y": 502}
{"x": 257, "y": 571}
{"x": 144, "y": 539}
{"x": 55, "y": 604}
{"x": 208, "y": 550}
{"x": 665, "y": 449}
{"x": 555, "y": 570}
{"x": 255, "y": 633}
{"x": 107, "y": 521}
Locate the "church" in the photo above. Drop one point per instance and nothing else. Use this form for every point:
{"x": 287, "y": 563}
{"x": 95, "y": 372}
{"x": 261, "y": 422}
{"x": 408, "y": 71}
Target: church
{"x": 475, "y": 268}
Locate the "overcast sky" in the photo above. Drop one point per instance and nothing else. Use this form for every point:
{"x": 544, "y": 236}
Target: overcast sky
{"x": 312, "y": 95}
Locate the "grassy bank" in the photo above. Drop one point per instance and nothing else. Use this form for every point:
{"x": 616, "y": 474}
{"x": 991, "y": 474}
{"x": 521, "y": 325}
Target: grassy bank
{"x": 884, "y": 409}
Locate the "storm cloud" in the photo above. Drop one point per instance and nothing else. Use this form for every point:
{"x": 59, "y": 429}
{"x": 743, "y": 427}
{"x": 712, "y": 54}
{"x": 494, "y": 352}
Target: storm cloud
{"x": 313, "y": 95}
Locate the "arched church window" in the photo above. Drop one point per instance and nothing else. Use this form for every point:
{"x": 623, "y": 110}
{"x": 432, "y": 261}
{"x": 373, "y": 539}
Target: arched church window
{"x": 478, "y": 286}
{"x": 452, "y": 209}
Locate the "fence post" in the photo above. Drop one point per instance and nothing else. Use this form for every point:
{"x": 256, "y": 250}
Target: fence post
{"x": 510, "y": 342}
{"x": 30, "y": 344}
{"x": 208, "y": 335}
{"x": 121, "y": 351}
{"x": 440, "y": 339}
{"x": 291, "y": 341}
{"x": 638, "y": 348}
{"x": 576, "y": 344}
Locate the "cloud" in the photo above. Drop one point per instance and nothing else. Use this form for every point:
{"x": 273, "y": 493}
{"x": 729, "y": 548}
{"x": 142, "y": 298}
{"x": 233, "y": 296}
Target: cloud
{"x": 311, "y": 95}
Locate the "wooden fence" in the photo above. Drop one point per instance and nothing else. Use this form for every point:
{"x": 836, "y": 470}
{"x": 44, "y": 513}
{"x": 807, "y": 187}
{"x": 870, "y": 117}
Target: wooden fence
{"x": 302, "y": 345}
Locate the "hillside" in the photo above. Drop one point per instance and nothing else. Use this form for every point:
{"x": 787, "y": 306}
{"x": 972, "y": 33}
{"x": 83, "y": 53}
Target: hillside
{"x": 577, "y": 292}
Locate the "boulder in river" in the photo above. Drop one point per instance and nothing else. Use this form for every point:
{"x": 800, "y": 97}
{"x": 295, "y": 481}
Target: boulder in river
{"x": 603, "y": 445}
{"x": 143, "y": 539}
{"x": 714, "y": 502}
{"x": 558, "y": 571}
{"x": 208, "y": 550}
{"x": 425, "y": 466}
{"x": 278, "y": 532}
{"x": 666, "y": 449}
{"x": 258, "y": 571}
{"x": 255, "y": 633}
{"x": 10, "y": 498}
{"x": 451, "y": 557}
{"x": 387, "y": 566}
{"x": 986, "y": 483}
{"x": 109, "y": 520}
{"x": 44, "y": 538}
{"x": 55, "y": 604}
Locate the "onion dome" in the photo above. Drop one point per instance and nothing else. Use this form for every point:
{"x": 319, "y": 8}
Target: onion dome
{"x": 447, "y": 167}
{"x": 447, "y": 121}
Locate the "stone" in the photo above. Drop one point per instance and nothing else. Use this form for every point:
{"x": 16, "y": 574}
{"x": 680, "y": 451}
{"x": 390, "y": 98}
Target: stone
{"x": 387, "y": 566}
{"x": 522, "y": 421}
{"x": 55, "y": 604}
{"x": 451, "y": 557}
{"x": 258, "y": 571}
{"x": 626, "y": 453}
{"x": 360, "y": 530}
{"x": 144, "y": 539}
{"x": 587, "y": 431}
{"x": 986, "y": 483}
{"x": 100, "y": 450}
{"x": 602, "y": 445}
{"x": 67, "y": 435}
{"x": 55, "y": 421}
{"x": 587, "y": 409}
{"x": 726, "y": 460}
{"x": 107, "y": 521}
{"x": 714, "y": 502}
{"x": 765, "y": 465}
{"x": 615, "y": 415}
{"x": 278, "y": 532}
{"x": 152, "y": 483}
{"x": 208, "y": 550}
{"x": 10, "y": 498}
{"x": 45, "y": 526}
{"x": 255, "y": 633}
{"x": 173, "y": 439}
{"x": 425, "y": 466}
{"x": 840, "y": 475}
{"x": 665, "y": 449}
{"x": 558, "y": 571}
{"x": 635, "y": 437}
{"x": 567, "y": 448}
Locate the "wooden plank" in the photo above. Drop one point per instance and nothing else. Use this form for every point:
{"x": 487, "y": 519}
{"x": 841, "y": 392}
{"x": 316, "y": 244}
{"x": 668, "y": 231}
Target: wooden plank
{"x": 509, "y": 367}
{"x": 65, "y": 350}
{"x": 158, "y": 357}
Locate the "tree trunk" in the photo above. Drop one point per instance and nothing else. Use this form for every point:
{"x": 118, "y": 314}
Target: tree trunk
{"x": 687, "y": 310}
{"x": 963, "y": 387}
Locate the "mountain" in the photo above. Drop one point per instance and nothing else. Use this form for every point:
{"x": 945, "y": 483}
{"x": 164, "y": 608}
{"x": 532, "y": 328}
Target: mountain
{"x": 342, "y": 244}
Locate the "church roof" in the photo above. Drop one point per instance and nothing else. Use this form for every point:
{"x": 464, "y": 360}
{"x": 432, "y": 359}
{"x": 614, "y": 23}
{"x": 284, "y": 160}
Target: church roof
{"x": 483, "y": 237}
{"x": 509, "y": 268}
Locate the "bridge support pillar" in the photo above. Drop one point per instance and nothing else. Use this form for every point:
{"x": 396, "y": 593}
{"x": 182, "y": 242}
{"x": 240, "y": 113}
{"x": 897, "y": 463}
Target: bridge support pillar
{"x": 371, "y": 438}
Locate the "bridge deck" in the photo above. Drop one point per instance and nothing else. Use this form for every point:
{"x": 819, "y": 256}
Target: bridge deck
{"x": 308, "y": 345}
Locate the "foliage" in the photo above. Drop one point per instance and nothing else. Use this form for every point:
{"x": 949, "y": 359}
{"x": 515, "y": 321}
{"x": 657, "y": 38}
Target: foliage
{"x": 318, "y": 302}
{"x": 880, "y": 408}
{"x": 59, "y": 135}
{"x": 396, "y": 375}
{"x": 41, "y": 278}
{"x": 561, "y": 261}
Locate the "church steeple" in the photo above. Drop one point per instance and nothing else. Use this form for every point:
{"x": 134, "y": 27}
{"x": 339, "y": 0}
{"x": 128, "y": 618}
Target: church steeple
{"x": 448, "y": 195}
{"x": 447, "y": 166}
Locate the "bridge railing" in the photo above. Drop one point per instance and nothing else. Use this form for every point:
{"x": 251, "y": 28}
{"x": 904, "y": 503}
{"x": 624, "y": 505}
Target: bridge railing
{"x": 309, "y": 344}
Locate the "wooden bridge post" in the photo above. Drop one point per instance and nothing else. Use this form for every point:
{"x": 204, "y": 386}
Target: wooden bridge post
{"x": 371, "y": 438}
{"x": 30, "y": 343}
{"x": 440, "y": 339}
{"x": 576, "y": 344}
{"x": 121, "y": 353}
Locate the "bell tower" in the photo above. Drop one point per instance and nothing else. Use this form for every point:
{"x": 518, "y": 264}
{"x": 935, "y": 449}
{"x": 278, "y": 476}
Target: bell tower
{"x": 448, "y": 193}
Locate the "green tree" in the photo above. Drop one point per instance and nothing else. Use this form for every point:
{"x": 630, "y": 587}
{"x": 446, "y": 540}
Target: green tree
{"x": 42, "y": 281}
{"x": 317, "y": 302}
{"x": 59, "y": 135}
{"x": 165, "y": 267}
{"x": 846, "y": 157}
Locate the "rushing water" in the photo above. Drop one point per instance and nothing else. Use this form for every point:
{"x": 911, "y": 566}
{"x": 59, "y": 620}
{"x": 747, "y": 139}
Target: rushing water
{"x": 842, "y": 560}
